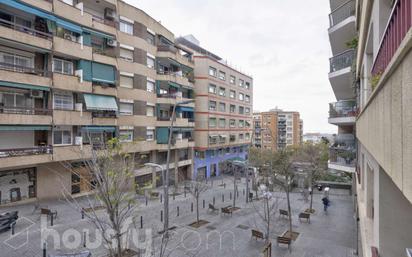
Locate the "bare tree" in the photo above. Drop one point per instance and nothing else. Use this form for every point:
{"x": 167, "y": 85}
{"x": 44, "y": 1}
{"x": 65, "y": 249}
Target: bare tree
{"x": 196, "y": 189}
{"x": 110, "y": 173}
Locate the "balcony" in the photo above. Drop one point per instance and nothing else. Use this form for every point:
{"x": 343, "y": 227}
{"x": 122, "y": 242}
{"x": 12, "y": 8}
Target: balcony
{"x": 69, "y": 117}
{"x": 14, "y": 157}
{"x": 24, "y": 74}
{"x": 25, "y": 116}
{"x": 397, "y": 29}
{"x": 72, "y": 13}
{"x": 176, "y": 77}
{"x": 71, "y": 83}
{"x": 72, "y": 47}
{"x": 340, "y": 76}
{"x": 170, "y": 51}
{"x": 106, "y": 25}
{"x": 19, "y": 33}
{"x": 342, "y": 159}
{"x": 343, "y": 112}
{"x": 342, "y": 26}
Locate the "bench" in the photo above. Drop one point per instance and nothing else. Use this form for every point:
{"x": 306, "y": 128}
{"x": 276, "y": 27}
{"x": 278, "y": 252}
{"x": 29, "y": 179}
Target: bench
{"x": 304, "y": 215}
{"x": 48, "y": 212}
{"x": 284, "y": 240}
{"x": 227, "y": 210}
{"x": 257, "y": 234}
{"x": 213, "y": 208}
{"x": 283, "y": 213}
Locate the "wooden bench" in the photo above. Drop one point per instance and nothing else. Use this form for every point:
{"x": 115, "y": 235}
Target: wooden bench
{"x": 227, "y": 210}
{"x": 284, "y": 240}
{"x": 48, "y": 212}
{"x": 304, "y": 215}
{"x": 257, "y": 234}
{"x": 213, "y": 208}
{"x": 283, "y": 213}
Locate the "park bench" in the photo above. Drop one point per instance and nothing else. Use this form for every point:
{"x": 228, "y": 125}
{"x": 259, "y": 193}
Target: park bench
{"x": 227, "y": 210}
{"x": 283, "y": 213}
{"x": 257, "y": 234}
{"x": 48, "y": 212}
{"x": 284, "y": 240}
{"x": 213, "y": 208}
{"x": 304, "y": 215}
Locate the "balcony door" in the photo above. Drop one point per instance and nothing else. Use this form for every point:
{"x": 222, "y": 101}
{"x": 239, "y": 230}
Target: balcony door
{"x": 14, "y": 102}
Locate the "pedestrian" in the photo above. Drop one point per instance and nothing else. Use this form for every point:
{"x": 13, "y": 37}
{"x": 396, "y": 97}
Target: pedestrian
{"x": 326, "y": 202}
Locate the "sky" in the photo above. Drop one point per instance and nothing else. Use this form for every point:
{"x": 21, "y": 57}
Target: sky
{"x": 283, "y": 44}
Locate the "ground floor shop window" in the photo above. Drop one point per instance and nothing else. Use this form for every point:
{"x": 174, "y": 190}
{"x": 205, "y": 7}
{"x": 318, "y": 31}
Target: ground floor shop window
{"x": 17, "y": 185}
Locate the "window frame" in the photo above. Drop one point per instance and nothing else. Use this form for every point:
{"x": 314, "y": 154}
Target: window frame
{"x": 126, "y": 28}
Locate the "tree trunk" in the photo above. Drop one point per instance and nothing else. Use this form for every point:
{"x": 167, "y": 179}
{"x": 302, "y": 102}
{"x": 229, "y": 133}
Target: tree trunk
{"x": 289, "y": 211}
{"x": 268, "y": 220}
{"x": 311, "y": 198}
{"x": 234, "y": 192}
{"x": 197, "y": 210}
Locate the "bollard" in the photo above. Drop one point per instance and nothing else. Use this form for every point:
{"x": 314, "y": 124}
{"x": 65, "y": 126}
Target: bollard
{"x": 191, "y": 207}
{"x": 161, "y": 216}
{"x": 177, "y": 211}
{"x": 141, "y": 221}
{"x": 223, "y": 198}
{"x": 213, "y": 200}
{"x": 230, "y": 196}
{"x": 82, "y": 214}
{"x": 161, "y": 198}
{"x": 146, "y": 200}
{"x": 243, "y": 191}
{"x": 12, "y": 227}
{"x": 51, "y": 220}
{"x": 84, "y": 239}
{"x": 203, "y": 203}
{"x": 237, "y": 193}
{"x": 44, "y": 250}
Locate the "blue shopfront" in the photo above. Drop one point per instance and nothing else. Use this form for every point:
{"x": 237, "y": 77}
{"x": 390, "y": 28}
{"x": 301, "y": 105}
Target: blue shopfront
{"x": 211, "y": 163}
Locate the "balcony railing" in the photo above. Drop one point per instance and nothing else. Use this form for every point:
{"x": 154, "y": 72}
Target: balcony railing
{"x": 24, "y": 69}
{"x": 103, "y": 21}
{"x": 36, "y": 150}
{"x": 25, "y": 110}
{"x": 343, "y": 109}
{"x": 342, "y": 60}
{"x": 167, "y": 48}
{"x": 398, "y": 25}
{"x": 342, "y": 156}
{"x": 21, "y": 28}
{"x": 343, "y": 12}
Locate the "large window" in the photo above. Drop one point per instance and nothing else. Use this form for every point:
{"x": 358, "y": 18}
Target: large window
{"x": 150, "y": 134}
{"x": 232, "y": 94}
{"x": 126, "y": 54}
{"x": 16, "y": 61}
{"x": 241, "y": 123}
{"x": 232, "y": 108}
{"x": 150, "y": 38}
{"x": 232, "y": 80}
{"x": 247, "y": 110}
{"x": 222, "y": 91}
{"x": 247, "y": 98}
{"x": 241, "y": 110}
{"x": 126, "y": 27}
{"x": 222, "y": 123}
{"x": 212, "y": 106}
{"x": 247, "y": 85}
{"x": 232, "y": 123}
{"x": 62, "y": 135}
{"x": 126, "y": 135}
{"x": 222, "y": 75}
{"x": 212, "y": 88}
{"x": 62, "y": 66}
{"x": 222, "y": 107}
{"x": 150, "y": 62}
{"x": 126, "y": 81}
{"x": 126, "y": 109}
{"x": 241, "y": 96}
{"x": 150, "y": 86}
{"x": 241, "y": 82}
{"x": 63, "y": 101}
{"x": 212, "y": 122}
{"x": 212, "y": 72}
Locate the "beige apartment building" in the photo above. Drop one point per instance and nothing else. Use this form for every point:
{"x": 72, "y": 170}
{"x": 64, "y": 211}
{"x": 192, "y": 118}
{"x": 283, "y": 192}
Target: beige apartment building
{"x": 75, "y": 73}
{"x": 224, "y": 103}
{"x": 380, "y": 71}
{"x": 277, "y": 129}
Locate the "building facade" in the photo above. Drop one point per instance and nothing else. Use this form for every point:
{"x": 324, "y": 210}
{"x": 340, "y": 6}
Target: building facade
{"x": 76, "y": 73}
{"x": 224, "y": 100}
{"x": 277, "y": 129}
{"x": 373, "y": 104}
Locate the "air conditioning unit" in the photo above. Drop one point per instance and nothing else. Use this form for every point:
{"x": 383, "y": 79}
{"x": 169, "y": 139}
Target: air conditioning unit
{"x": 112, "y": 42}
{"x": 36, "y": 94}
{"x": 109, "y": 14}
{"x": 69, "y": 37}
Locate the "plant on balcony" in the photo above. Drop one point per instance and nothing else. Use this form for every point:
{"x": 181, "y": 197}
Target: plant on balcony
{"x": 374, "y": 80}
{"x": 353, "y": 43}
{"x": 349, "y": 156}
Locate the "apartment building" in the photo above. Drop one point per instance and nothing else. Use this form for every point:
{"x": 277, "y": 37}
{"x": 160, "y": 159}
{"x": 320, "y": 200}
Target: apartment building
{"x": 74, "y": 74}
{"x": 224, "y": 100}
{"x": 380, "y": 73}
{"x": 277, "y": 129}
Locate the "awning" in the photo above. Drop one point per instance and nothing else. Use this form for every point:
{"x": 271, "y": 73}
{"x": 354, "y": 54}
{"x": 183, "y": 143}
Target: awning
{"x": 98, "y": 129}
{"x": 25, "y": 8}
{"x": 68, "y": 25}
{"x": 97, "y": 33}
{"x": 23, "y": 128}
{"x": 172, "y": 84}
{"x": 100, "y": 102}
{"x": 184, "y": 109}
{"x": 21, "y": 85}
{"x": 186, "y": 129}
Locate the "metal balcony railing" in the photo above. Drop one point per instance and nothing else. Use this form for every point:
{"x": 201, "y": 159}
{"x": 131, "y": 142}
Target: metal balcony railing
{"x": 346, "y": 108}
{"x": 342, "y": 60}
{"x": 167, "y": 48}
{"x": 25, "y": 110}
{"x": 398, "y": 25}
{"x": 24, "y": 69}
{"x": 343, "y": 12}
{"x": 21, "y": 28}
{"x": 35, "y": 150}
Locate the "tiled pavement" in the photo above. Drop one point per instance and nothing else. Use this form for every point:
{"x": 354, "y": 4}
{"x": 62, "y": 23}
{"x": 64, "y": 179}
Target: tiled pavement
{"x": 328, "y": 235}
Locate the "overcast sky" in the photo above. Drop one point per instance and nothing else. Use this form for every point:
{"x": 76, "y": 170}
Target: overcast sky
{"x": 283, "y": 44}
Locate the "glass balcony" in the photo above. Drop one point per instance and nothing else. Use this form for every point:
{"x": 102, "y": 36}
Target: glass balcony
{"x": 347, "y": 108}
{"x": 343, "y": 150}
{"x": 342, "y": 60}
{"x": 341, "y": 13}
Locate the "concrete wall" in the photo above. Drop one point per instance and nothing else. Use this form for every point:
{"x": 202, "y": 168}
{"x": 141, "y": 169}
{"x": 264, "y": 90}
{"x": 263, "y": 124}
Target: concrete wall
{"x": 52, "y": 181}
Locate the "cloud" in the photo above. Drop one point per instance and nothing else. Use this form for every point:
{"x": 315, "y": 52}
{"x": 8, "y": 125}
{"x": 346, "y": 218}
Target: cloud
{"x": 283, "y": 44}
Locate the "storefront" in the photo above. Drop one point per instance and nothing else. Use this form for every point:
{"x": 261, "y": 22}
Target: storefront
{"x": 17, "y": 185}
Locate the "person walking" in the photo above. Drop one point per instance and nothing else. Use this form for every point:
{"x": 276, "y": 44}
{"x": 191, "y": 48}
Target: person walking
{"x": 325, "y": 201}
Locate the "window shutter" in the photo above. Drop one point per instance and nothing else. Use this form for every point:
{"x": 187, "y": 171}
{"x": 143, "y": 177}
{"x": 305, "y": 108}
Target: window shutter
{"x": 139, "y": 133}
{"x": 140, "y": 56}
{"x": 139, "y": 108}
{"x": 139, "y": 82}
{"x": 139, "y": 30}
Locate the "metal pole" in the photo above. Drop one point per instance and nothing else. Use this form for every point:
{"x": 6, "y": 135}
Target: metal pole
{"x": 247, "y": 182}
{"x": 44, "y": 250}
{"x": 84, "y": 239}
{"x": 141, "y": 221}
{"x": 177, "y": 211}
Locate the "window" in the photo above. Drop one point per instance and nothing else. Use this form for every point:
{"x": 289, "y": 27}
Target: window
{"x": 150, "y": 110}
{"x": 232, "y": 123}
{"x": 232, "y": 80}
{"x": 62, "y": 66}
{"x": 16, "y": 60}
{"x": 126, "y": 54}
{"x": 150, "y": 86}
{"x": 241, "y": 96}
{"x": 126, "y": 109}
{"x": 62, "y": 136}
{"x": 212, "y": 106}
{"x": 150, "y": 134}
{"x": 289, "y": 128}
{"x": 150, "y": 38}
{"x": 212, "y": 122}
{"x": 126, "y": 81}
{"x": 232, "y": 108}
{"x": 241, "y": 110}
{"x": 241, "y": 123}
{"x": 212, "y": 89}
{"x": 150, "y": 62}
{"x": 247, "y": 110}
{"x": 240, "y": 136}
{"x": 222, "y": 107}
{"x": 222, "y": 91}
{"x": 247, "y": 85}
{"x": 222, "y": 139}
{"x": 200, "y": 154}
{"x": 213, "y": 139}
{"x": 241, "y": 82}
{"x": 289, "y": 123}
{"x": 247, "y": 124}
{"x": 126, "y": 135}
{"x": 63, "y": 101}
{"x": 126, "y": 27}
{"x": 212, "y": 71}
{"x": 247, "y": 98}
{"x": 289, "y": 135}
{"x": 232, "y": 138}
{"x": 222, "y": 75}
{"x": 232, "y": 94}
{"x": 222, "y": 123}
